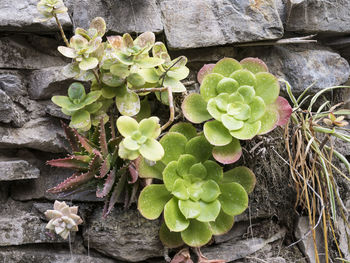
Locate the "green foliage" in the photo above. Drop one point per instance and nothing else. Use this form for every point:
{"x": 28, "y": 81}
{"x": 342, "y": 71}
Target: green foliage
{"x": 80, "y": 106}
{"x": 198, "y": 201}
{"x": 242, "y": 97}
{"x": 140, "y": 138}
{"x": 49, "y": 8}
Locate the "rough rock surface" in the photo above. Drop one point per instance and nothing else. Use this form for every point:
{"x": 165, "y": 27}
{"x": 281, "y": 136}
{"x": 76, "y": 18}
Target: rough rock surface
{"x": 124, "y": 235}
{"x": 15, "y": 169}
{"x": 21, "y": 51}
{"x": 13, "y": 82}
{"x": 44, "y": 83}
{"x": 201, "y": 23}
{"x": 319, "y": 16}
{"x": 9, "y": 112}
{"x": 42, "y": 134}
{"x": 302, "y": 65}
{"x": 18, "y": 15}
{"x": 121, "y": 16}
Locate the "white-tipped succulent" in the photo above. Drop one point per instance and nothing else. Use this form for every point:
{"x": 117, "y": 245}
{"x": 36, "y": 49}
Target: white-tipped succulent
{"x": 63, "y": 219}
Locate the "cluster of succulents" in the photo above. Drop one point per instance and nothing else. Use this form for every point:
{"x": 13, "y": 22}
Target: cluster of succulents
{"x": 63, "y": 219}
{"x": 50, "y": 8}
{"x": 242, "y": 98}
{"x": 198, "y": 200}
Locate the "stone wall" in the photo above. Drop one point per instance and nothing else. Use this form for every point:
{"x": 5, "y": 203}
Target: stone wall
{"x": 204, "y": 31}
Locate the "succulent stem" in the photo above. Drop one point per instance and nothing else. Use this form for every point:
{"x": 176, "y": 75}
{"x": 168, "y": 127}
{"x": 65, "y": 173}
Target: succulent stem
{"x": 61, "y": 30}
{"x": 171, "y": 108}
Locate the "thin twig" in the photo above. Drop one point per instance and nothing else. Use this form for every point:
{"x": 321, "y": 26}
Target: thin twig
{"x": 150, "y": 90}
{"x": 171, "y": 108}
{"x": 61, "y": 30}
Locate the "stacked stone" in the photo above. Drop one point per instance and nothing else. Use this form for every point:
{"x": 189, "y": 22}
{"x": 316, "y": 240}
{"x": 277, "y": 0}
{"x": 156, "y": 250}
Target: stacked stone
{"x": 204, "y": 31}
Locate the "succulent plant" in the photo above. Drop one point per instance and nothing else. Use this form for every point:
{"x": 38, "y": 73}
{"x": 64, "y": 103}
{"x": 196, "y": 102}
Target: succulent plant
{"x": 63, "y": 219}
{"x": 242, "y": 97}
{"x": 49, "y": 8}
{"x": 96, "y": 165}
{"x": 79, "y": 105}
{"x": 197, "y": 198}
{"x": 140, "y": 138}
{"x": 85, "y": 46}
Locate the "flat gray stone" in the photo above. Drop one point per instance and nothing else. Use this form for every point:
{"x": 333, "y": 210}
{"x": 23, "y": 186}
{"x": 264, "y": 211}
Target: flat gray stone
{"x": 15, "y": 169}
{"x": 123, "y": 16}
{"x": 318, "y": 16}
{"x": 44, "y": 83}
{"x": 19, "y": 15}
{"x": 302, "y": 65}
{"x": 13, "y": 83}
{"x": 202, "y": 23}
{"x": 9, "y": 112}
{"x": 42, "y": 134}
{"x": 29, "y": 52}
{"x": 124, "y": 235}
{"x": 19, "y": 227}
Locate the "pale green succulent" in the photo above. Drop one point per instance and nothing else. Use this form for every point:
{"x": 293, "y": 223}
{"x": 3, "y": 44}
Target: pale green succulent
{"x": 63, "y": 219}
{"x": 85, "y": 46}
{"x": 140, "y": 138}
{"x": 197, "y": 198}
{"x": 49, "y": 8}
{"x": 79, "y": 105}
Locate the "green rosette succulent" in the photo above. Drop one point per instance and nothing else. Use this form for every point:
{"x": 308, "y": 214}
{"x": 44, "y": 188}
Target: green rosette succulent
{"x": 85, "y": 47}
{"x": 197, "y": 199}
{"x": 79, "y": 105}
{"x": 140, "y": 138}
{"x": 241, "y": 97}
{"x": 49, "y": 8}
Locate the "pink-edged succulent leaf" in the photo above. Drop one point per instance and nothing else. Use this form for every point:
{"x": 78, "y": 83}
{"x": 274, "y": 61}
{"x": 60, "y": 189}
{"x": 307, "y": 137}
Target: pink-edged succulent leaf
{"x": 117, "y": 191}
{"x": 205, "y": 70}
{"x": 134, "y": 175}
{"x": 72, "y": 182}
{"x": 71, "y": 162}
{"x": 195, "y": 108}
{"x": 254, "y": 65}
{"x": 183, "y": 256}
{"x": 284, "y": 110}
{"x": 84, "y": 142}
{"x": 102, "y": 139}
{"x": 108, "y": 185}
{"x": 229, "y": 153}
{"x": 71, "y": 137}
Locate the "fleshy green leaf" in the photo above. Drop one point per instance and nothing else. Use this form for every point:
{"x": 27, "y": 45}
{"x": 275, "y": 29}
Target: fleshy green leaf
{"x": 248, "y": 131}
{"x": 120, "y": 70}
{"x": 208, "y": 86}
{"x": 284, "y": 110}
{"x": 112, "y": 80}
{"x": 150, "y": 75}
{"x": 197, "y": 234}
{"x": 136, "y": 80}
{"x": 152, "y": 150}
{"x": 229, "y": 153}
{"x": 247, "y": 92}
{"x": 99, "y": 24}
{"x": 176, "y": 86}
{"x": 242, "y": 175}
{"x": 216, "y": 133}
{"x": 257, "y": 109}
{"x": 173, "y": 217}
{"x": 209, "y": 211}
{"x": 222, "y": 224}
{"x": 210, "y": 192}
{"x": 199, "y": 147}
{"x": 91, "y": 97}
{"x": 170, "y": 175}
{"x": 128, "y": 102}
{"x": 185, "y": 162}
{"x": 63, "y": 101}
{"x": 179, "y": 73}
{"x": 180, "y": 189}
{"x": 213, "y": 109}
{"x": 127, "y": 154}
{"x": 88, "y": 63}
{"x": 149, "y": 62}
{"x": 195, "y": 108}
{"x": 67, "y": 52}
{"x": 127, "y": 125}
{"x": 76, "y": 90}
{"x": 152, "y": 200}
{"x": 205, "y": 70}
{"x": 231, "y": 123}
{"x": 195, "y": 190}
{"x": 214, "y": 170}
{"x": 198, "y": 171}
{"x": 244, "y": 77}
{"x": 268, "y": 120}
{"x": 226, "y": 66}
{"x": 233, "y": 198}
{"x": 81, "y": 120}
{"x": 227, "y": 85}
{"x": 174, "y": 145}
{"x": 189, "y": 208}
{"x": 168, "y": 238}
{"x": 147, "y": 127}
{"x": 267, "y": 87}
{"x": 254, "y": 65}
{"x": 146, "y": 170}
{"x": 145, "y": 110}
{"x": 184, "y": 128}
